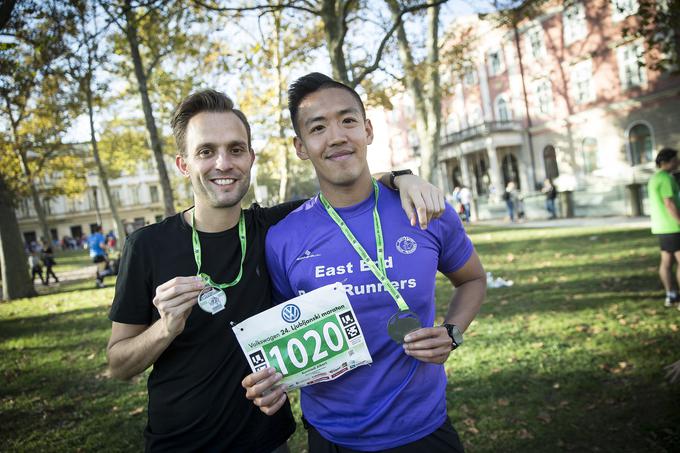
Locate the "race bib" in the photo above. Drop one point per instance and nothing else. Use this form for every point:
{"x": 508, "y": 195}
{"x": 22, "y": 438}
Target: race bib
{"x": 309, "y": 339}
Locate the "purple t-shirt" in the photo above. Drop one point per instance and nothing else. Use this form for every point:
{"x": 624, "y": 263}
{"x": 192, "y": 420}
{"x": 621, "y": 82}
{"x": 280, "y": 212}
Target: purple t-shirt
{"x": 397, "y": 399}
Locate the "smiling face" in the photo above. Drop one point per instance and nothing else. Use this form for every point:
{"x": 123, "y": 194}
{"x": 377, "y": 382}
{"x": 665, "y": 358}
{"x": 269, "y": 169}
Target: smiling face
{"x": 334, "y": 136}
{"x": 217, "y": 159}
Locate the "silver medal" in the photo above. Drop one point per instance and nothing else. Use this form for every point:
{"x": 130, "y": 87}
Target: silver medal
{"x": 401, "y": 323}
{"x": 212, "y": 300}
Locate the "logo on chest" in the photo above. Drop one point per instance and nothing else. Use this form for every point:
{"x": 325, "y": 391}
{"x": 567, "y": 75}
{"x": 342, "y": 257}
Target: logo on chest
{"x": 406, "y": 245}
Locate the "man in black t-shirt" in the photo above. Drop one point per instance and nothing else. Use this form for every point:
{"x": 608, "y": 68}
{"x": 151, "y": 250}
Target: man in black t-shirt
{"x": 196, "y": 402}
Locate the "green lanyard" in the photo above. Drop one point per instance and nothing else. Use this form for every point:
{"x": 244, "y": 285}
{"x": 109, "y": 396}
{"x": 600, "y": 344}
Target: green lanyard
{"x": 379, "y": 269}
{"x": 197, "y": 252}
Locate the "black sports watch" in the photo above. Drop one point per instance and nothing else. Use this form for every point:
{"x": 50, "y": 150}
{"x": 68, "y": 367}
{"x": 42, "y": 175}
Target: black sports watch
{"x": 394, "y": 174}
{"x": 455, "y": 334}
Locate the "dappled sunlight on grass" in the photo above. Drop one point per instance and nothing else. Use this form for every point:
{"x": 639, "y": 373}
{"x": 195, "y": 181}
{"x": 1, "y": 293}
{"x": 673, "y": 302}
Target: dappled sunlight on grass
{"x": 570, "y": 358}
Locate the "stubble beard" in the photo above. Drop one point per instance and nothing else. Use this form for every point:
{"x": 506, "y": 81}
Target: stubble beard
{"x": 217, "y": 200}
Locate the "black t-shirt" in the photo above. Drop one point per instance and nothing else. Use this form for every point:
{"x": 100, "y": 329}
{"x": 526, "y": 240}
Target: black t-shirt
{"x": 196, "y": 402}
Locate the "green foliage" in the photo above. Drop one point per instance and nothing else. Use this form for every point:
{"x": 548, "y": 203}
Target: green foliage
{"x": 658, "y": 23}
{"x": 569, "y": 358}
{"x": 123, "y": 144}
{"x": 38, "y": 103}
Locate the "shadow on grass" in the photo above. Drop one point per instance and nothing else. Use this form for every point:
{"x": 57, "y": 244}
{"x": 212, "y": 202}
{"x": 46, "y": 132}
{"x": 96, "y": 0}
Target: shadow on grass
{"x": 77, "y": 320}
{"x": 586, "y": 408}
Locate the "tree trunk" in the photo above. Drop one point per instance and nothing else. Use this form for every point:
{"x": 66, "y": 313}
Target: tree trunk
{"x": 284, "y": 168}
{"x": 35, "y": 196}
{"x": 101, "y": 171}
{"x": 16, "y": 281}
{"x": 427, "y": 99}
{"x": 156, "y": 147}
{"x": 429, "y": 163}
{"x": 334, "y": 17}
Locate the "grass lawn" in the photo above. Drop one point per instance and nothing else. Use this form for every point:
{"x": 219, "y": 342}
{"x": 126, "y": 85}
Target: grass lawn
{"x": 570, "y": 358}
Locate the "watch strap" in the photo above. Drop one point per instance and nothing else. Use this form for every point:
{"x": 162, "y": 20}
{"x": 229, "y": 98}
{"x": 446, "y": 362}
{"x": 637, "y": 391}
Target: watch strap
{"x": 394, "y": 174}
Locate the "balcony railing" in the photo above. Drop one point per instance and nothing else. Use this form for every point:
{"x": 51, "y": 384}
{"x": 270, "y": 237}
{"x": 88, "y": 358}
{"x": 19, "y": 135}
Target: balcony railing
{"x": 481, "y": 130}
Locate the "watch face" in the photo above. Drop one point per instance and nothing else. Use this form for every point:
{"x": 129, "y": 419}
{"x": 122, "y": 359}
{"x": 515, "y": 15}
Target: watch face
{"x": 455, "y": 333}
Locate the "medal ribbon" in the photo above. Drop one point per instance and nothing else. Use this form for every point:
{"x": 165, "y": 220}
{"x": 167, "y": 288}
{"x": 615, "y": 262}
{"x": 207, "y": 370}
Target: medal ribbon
{"x": 378, "y": 270}
{"x": 197, "y": 252}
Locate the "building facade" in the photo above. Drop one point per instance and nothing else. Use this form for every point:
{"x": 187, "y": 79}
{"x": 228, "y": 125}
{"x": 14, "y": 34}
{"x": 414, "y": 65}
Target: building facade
{"x": 565, "y": 96}
{"x": 137, "y": 195}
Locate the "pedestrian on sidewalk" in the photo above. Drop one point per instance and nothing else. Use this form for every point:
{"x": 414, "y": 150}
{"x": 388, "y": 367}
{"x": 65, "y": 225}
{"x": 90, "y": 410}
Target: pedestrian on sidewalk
{"x": 550, "y": 193}
{"x": 36, "y": 268}
{"x": 48, "y": 261}
{"x": 510, "y": 198}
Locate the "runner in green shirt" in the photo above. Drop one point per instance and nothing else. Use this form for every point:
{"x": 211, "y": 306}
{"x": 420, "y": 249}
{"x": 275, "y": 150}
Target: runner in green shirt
{"x": 664, "y": 201}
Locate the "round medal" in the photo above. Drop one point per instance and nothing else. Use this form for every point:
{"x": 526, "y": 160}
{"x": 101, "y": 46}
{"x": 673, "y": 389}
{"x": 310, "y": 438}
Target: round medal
{"x": 212, "y": 300}
{"x": 401, "y": 323}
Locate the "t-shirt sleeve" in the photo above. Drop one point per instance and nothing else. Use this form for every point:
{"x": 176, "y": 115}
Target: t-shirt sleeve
{"x": 456, "y": 247}
{"x": 666, "y": 187}
{"x": 278, "y": 271}
{"x": 275, "y": 214}
{"x": 132, "y": 302}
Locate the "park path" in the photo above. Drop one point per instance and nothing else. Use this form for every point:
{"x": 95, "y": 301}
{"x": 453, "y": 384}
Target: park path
{"x": 576, "y": 222}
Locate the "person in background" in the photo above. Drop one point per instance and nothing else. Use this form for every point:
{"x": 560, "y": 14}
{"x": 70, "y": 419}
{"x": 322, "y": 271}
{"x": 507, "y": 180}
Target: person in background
{"x": 550, "y": 193}
{"x": 664, "y": 204}
{"x": 96, "y": 243}
{"x": 465, "y": 198}
{"x": 36, "y": 268}
{"x": 510, "y": 198}
{"x": 48, "y": 261}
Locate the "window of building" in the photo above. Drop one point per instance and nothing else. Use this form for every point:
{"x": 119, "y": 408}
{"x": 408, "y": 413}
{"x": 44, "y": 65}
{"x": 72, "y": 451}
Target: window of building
{"x": 542, "y": 89}
{"x": 470, "y": 77}
{"x": 550, "y": 162}
{"x": 24, "y": 208}
{"x": 534, "y": 42}
{"x": 589, "y": 151}
{"x": 115, "y": 194}
{"x": 623, "y": 8}
{"x": 153, "y": 193}
{"x": 503, "y": 111}
{"x": 495, "y": 62}
{"x": 510, "y": 170}
{"x": 583, "y": 90}
{"x": 574, "y": 23}
{"x": 476, "y": 117}
{"x": 159, "y": 218}
{"x": 631, "y": 65}
{"x": 640, "y": 144}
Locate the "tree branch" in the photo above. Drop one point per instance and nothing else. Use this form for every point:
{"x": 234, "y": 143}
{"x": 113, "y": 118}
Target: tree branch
{"x": 265, "y": 8}
{"x": 378, "y": 56}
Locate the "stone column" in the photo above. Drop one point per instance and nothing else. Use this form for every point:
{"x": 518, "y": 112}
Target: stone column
{"x": 494, "y": 168}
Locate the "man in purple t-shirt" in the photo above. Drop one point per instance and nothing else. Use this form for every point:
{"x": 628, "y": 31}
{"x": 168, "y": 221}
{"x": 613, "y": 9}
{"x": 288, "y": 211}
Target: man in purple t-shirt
{"x": 399, "y": 401}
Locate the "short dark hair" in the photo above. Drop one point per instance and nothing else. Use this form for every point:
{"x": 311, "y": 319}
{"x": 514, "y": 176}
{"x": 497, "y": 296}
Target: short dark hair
{"x": 311, "y": 83}
{"x": 666, "y": 155}
{"x": 198, "y": 102}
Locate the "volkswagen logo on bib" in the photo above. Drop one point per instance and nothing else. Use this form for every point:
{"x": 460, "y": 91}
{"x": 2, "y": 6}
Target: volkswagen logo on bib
{"x": 290, "y": 313}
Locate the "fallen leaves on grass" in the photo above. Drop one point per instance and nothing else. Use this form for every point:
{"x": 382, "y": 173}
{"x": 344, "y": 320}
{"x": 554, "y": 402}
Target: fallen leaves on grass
{"x": 137, "y": 410}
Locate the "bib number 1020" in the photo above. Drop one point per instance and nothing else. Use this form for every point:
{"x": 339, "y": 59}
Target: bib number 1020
{"x": 317, "y": 342}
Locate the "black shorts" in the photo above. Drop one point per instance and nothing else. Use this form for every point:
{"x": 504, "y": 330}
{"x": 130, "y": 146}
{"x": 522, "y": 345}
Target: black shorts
{"x": 669, "y": 242}
{"x": 444, "y": 440}
{"x": 98, "y": 259}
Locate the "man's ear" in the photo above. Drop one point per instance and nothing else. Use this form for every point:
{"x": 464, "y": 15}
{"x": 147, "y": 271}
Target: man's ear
{"x": 369, "y": 131}
{"x": 300, "y": 149}
{"x": 181, "y": 165}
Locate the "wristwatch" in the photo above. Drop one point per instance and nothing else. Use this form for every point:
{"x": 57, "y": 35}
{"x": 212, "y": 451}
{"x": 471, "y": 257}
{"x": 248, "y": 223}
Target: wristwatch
{"x": 394, "y": 174}
{"x": 455, "y": 334}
